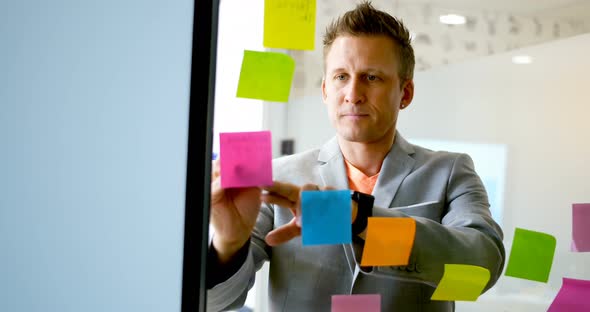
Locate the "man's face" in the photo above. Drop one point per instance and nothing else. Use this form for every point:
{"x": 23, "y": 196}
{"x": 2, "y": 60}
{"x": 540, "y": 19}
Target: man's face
{"x": 361, "y": 88}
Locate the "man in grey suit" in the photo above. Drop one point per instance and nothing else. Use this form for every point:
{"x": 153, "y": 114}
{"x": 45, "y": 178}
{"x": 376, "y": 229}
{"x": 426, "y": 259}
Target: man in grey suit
{"x": 368, "y": 74}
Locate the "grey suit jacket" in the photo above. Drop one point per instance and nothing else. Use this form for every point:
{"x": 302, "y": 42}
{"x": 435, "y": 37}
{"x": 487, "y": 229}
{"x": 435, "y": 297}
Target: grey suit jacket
{"x": 440, "y": 190}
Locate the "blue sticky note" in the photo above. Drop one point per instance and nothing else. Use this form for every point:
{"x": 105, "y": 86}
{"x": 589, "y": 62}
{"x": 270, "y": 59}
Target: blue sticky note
{"x": 326, "y": 217}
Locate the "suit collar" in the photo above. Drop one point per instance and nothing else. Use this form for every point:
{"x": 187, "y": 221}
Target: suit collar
{"x": 329, "y": 150}
{"x": 332, "y": 169}
{"x": 397, "y": 165}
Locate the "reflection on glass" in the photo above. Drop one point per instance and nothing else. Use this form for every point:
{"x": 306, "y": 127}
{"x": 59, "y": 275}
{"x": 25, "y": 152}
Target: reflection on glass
{"x": 524, "y": 125}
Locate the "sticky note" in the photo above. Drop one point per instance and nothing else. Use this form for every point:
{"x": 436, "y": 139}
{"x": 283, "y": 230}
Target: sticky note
{"x": 289, "y": 24}
{"x": 574, "y": 296}
{"x": 461, "y": 282}
{"x": 531, "y": 255}
{"x": 388, "y": 241}
{"x": 266, "y": 76}
{"x": 356, "y": 303}
{"x": 326, "y": 217}
{"x": 245, "y": 159}
{"x": 580, "y": 228}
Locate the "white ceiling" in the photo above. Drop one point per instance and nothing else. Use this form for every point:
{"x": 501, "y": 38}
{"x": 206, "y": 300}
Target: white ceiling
{"x": 555, "y": 8}
{"x": 493, "y": 26}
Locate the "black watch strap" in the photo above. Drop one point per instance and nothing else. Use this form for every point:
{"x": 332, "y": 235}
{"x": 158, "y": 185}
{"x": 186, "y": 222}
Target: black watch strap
{"x": 365, "y": 210}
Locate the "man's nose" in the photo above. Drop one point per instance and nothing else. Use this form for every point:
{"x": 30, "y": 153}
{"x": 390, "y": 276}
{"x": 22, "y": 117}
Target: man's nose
{"x": 354, "y": 92}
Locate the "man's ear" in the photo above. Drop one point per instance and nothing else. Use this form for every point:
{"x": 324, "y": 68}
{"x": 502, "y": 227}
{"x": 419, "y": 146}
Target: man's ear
{"x": 324, "y": 94}
{"x": 407, "y": 93}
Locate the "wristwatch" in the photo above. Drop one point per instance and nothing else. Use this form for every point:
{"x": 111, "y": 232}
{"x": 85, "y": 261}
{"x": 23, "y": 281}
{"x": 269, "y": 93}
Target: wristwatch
{"x": 364, "y": 211}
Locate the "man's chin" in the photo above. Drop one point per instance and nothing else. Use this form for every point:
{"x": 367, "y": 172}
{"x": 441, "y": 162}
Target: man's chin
{"x": 354, "y": 137}
{"x": 362, "y": 137}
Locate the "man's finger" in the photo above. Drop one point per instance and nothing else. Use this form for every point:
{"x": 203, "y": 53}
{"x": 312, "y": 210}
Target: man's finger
{"x": 271, "y": 198}
{"x": 217, "y": 193}
{"x": 287, "y": 190}
{"x": 215, "y": 169}
{"x": 283, "y": 233}
{"x": 310, "y": 187}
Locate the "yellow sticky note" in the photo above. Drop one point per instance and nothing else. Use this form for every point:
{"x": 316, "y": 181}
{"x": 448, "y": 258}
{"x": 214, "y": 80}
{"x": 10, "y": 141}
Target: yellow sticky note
{"x": 461, "y": 282}
{"x": 266, "y": 76}
{"x": 389, "y": 241}
{"x": 289, "y": 24}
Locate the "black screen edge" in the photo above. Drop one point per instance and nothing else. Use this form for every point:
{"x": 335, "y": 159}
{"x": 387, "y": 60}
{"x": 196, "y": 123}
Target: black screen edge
{"x": 200, "y": 135}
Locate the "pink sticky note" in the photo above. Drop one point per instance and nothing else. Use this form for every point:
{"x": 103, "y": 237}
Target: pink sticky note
{"x": 356, "y": 303}
{"x": 580, "y": 228}
{"x": 245, "y": 159}
{"x": 574, "y": 296}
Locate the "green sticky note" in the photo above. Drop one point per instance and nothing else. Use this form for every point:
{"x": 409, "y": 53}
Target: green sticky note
{"x": 266, "y": 76}
{"x": 289, "y": 24}
{"x": 461, "y": 282}
{"x": 531, "y": 255}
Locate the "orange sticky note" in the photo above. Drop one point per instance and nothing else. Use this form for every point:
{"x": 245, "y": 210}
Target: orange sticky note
{"x": 389, "y": 241}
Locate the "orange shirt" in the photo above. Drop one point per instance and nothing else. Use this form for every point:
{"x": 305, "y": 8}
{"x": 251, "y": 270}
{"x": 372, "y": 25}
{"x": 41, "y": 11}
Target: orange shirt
{"x": 358, "y": 181}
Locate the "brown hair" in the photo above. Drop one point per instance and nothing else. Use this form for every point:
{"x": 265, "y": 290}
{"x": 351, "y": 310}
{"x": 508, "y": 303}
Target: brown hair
{"x": 366, "y": 20}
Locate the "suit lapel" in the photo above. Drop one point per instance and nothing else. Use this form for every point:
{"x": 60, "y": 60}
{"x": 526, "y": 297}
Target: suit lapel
{"x": 333, "y": 174}
{"x": 397, "y": 165}
{"x": 332, "y": 168}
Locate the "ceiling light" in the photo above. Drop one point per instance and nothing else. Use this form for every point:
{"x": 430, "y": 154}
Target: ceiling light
{"x": 452, "y": 19}
{"x": 522, "y": 59}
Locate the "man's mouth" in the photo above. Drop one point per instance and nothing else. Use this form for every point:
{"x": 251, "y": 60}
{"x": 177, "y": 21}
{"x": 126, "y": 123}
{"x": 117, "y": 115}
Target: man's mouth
{"x": 354, "y": 115}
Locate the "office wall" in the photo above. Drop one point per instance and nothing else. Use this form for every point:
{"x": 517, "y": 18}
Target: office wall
{"x": 93, "y": 130}
{"x": 539, "y": 111}
{"x": 237, "y": 32}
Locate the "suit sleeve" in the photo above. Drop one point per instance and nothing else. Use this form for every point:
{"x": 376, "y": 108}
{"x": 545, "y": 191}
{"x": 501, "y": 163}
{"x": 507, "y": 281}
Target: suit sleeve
{"x": 467, "y": 233}
{"x": 231, "y": 293}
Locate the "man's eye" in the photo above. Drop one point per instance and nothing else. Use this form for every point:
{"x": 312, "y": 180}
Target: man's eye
{"x": 340, "y": 77}
{"x": 371, "y": 77}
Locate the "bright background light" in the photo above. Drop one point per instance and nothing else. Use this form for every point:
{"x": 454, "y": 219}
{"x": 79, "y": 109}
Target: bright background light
{"x": 452, "y": 19}
{"x": 522, "y": 59}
